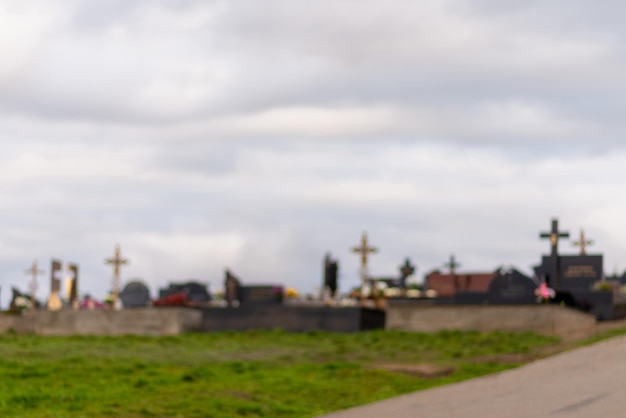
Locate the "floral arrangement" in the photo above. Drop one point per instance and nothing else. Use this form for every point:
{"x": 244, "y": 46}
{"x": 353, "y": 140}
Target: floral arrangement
{"x": 544, "y": 293}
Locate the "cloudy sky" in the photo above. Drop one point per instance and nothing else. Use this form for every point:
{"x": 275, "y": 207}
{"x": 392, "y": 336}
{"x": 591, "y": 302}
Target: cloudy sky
{"x": 258, "y": 136}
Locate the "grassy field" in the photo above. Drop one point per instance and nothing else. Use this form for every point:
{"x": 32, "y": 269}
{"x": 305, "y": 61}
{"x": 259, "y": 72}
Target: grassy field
{"x": 251, "y": 374}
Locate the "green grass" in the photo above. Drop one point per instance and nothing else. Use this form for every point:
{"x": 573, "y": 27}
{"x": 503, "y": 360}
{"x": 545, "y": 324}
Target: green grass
{"x": 250, "y": 374}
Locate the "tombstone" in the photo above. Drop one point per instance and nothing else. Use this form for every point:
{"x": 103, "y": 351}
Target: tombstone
{"x": 54, "y": 301}
{"x": 17, "y": 300}
{"x": 135, "y": 295}
{"x": 72, "y": 284}
{"x": 576, "y": 272}
{"x": 510, "y": 287}
{"x": 232, "y": 289}
{"x": 196, "y": 293}
{"x": 331, "y": 268}
{"x": 261, "y": 295}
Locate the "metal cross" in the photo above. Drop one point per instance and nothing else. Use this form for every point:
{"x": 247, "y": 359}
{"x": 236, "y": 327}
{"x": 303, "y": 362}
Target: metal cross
{"x": 34, "y": 271}
{"x": 364, "y": 250}
{"x": 582, "y": 243}
{"x": 407, "y": 268}
{"x": 116, "y": 261}
{"x": 452, "y": 264}
{"x": 554, "y": 236}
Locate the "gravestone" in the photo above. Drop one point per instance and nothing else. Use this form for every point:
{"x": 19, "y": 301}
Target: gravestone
{"x": 261, "y": 295}
{"x": 72, "y": 287}
{"x": 196, "y": 293}
{"x": 232, "y": 289}
{"x": 135, "y": 295}
{"x": 54, "y": 301}
{"x": 331, "y": 268}
{"x": 576, "y": 272}
{"x": 511, "y": 287}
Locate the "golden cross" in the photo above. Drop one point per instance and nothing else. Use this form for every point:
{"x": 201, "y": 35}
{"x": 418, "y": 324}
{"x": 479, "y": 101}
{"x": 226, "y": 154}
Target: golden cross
{"x": 116, "y": 261}
{"x": 34, "y": 271}
{"x": 364, "y": 250}
{"x": 582, "y": 243}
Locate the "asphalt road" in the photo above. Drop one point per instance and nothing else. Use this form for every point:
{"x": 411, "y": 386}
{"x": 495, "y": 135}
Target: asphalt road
{"x": 586, "y": 382}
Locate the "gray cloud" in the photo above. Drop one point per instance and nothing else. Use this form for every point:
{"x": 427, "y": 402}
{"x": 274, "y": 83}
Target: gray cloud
{"x": 205, "y": 135}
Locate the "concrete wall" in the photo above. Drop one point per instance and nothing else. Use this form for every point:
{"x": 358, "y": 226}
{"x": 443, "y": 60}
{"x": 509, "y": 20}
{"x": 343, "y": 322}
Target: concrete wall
{"x": 140, "y": 321}
{"x": 543, "y": 319}
{"x": 293, "y": 318}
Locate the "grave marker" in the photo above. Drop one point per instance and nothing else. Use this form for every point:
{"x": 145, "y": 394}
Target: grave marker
{"x": 135, "y": 295}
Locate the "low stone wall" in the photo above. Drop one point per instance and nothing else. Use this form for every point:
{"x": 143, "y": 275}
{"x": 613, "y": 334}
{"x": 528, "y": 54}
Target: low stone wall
{"x": 543, "y": 319}
{"x": 140, "y": 321}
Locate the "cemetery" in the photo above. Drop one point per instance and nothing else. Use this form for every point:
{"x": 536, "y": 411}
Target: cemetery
{"x": 287, "y": 352}
{"x": 567, "y": 292}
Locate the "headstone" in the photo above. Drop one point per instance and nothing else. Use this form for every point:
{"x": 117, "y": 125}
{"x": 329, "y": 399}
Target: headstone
{"x": 135, "y": 295}
{"x": 54, "y": 301}
{"x": 261, "y": 295}
{"x": 196, "y": 293}
{"x": 511, "y": 287}
{"x": 331, "y": 268}
{"x": 576, "y": 272}
{"x": 72, "y": 288}
{"x": 232, "y": 289}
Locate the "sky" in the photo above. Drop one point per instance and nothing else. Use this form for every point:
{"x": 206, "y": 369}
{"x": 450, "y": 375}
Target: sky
{"x": 258, "y": 136}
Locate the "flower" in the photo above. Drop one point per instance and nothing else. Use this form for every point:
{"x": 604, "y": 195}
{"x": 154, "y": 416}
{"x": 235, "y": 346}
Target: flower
{"x": 543, "y": 292}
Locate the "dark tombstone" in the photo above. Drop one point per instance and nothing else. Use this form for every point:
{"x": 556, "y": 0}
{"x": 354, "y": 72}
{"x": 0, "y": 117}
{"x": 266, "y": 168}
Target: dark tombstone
{"x": 232, "y": 289}
{"x": 196, "y": 293}
{"x": 135, "y": 295}
{"x": 331, "y": 268}
{"x": 511, "y": 287}
{"x": 261, "y": 295}
{"x": 576, "y": 272}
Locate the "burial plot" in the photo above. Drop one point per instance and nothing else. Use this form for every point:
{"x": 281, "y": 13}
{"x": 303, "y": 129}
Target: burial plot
{"x": 511, "y": 287}
{"x": 135, "y": 295}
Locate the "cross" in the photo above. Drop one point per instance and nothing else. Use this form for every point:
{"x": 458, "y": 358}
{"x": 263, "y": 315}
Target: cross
{"x": 34, "y": 271}
{"x": 364, "y": 250}
{"x": 554, "y": 236}
{"x": 452, "y": 264}
{"x": 582, "y": 243}
{"x": 407, "y": 268}
{"x": 116, "y": 261}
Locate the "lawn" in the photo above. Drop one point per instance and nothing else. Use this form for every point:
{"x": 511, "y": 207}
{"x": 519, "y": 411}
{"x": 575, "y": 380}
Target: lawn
{"x": 249, "y": 374}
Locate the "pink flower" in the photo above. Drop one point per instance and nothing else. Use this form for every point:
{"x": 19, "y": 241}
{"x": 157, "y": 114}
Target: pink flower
{"x": 544, "y": 292}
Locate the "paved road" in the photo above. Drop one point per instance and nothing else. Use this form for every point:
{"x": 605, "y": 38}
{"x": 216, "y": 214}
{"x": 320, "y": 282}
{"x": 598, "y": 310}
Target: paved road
{"x": 586, "y": 382}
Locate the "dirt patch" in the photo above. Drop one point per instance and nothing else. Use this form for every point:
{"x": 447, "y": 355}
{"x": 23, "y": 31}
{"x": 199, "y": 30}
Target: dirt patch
{"x": 505, "y": 358}
{"x": 424, "y": 370}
